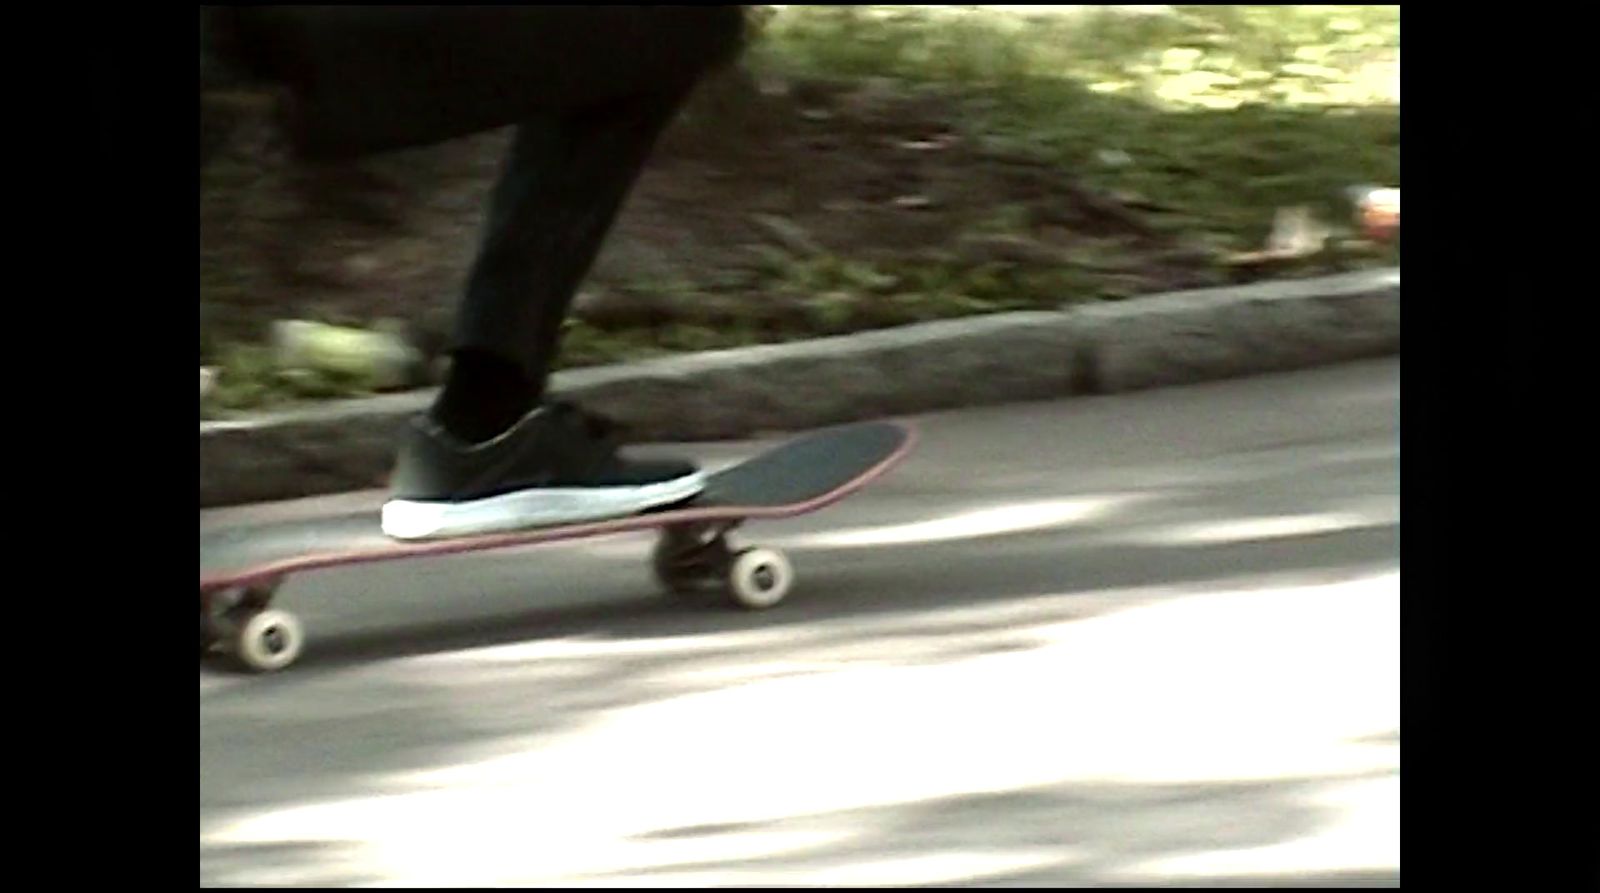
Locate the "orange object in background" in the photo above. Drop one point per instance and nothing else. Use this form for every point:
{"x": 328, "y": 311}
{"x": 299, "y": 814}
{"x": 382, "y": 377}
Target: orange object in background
{"x": 1378, "y": 213}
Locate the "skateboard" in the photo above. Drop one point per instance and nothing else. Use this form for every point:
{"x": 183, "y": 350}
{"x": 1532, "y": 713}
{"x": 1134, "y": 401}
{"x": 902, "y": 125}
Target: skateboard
{"x": 242, "y": 567}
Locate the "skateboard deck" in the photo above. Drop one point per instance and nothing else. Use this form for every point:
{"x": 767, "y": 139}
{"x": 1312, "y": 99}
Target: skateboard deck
{"x": 800, "y": 475}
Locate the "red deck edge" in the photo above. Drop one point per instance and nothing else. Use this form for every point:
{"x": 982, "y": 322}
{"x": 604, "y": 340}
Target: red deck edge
{"x": 530, "y": 537}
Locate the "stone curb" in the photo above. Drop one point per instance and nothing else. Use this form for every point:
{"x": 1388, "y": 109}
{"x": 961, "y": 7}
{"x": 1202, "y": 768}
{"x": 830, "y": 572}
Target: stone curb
{"x": 1154, "y": 341}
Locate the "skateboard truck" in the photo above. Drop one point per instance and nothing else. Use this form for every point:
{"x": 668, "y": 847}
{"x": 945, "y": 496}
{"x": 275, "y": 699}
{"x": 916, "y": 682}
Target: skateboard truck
{"x": 259, "y": 636}
{"x": 690, "y": 558}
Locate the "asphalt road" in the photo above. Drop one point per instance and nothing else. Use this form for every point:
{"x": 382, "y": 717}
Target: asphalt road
{"x": 1140, "y": 639}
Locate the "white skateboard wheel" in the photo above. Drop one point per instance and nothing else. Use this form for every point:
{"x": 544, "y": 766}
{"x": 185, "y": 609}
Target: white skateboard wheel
{"x": 760, "y": 578}
{"x": 268, "y": 640}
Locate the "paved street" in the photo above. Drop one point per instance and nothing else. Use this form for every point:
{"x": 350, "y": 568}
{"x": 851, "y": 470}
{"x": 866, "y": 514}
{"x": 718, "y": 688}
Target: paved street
{"x": 1140, "y": 639}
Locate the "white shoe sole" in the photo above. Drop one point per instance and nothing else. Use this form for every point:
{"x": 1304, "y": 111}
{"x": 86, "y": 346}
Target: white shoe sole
{"x": 411, "y": 520}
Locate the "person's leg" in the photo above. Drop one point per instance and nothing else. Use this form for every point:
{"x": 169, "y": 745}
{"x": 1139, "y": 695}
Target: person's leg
{"x": 564, "y": 182}
{"x": 365, "y": 79}
{"x": 492, "y": 455}
{"x": 590, "y": 88}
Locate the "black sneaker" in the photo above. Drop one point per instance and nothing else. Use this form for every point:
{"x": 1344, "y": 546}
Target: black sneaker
{"x": 558, "y": 465}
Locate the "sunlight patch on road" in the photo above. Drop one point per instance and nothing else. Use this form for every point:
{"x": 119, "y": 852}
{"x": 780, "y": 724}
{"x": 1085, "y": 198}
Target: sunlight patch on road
{"x": 999, "y": 520}
{"x": 1265, "y": 527}
{"x": 1248, "y": 684}
{"x": 1011, "y": 518}
{"x": 934, "y": 868}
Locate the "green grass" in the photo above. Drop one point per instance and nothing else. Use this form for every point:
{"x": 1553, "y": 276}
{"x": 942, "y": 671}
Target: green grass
{"x": 1218, "y": 114}
{"x": 249, "y": 380}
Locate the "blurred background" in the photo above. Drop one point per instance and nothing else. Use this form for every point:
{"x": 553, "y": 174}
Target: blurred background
{"x": 863, "y": 166}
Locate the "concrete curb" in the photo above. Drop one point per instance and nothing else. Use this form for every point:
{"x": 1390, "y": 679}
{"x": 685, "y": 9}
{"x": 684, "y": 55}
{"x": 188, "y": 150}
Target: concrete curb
{"x": 1154, "y": 341}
